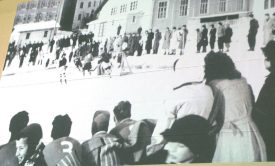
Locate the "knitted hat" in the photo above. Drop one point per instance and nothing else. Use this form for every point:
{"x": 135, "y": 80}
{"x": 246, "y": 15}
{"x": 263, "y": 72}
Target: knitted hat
{"x": 192, "y": 131}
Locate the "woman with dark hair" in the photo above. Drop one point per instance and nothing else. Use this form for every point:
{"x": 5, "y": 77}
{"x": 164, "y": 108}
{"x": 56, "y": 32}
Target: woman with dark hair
{"x": 238, "y": 139}
{"x": 264, "y": 112}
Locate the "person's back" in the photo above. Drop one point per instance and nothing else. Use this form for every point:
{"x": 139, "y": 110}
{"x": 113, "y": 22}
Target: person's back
{"x": 63, "y": 150}
{"x": 136, "y": 136}
{"x": 238, "y": 97}
{"x": 238, "y": 132}
{"x": 101, "y": 150}
{"x": 220, "y": 32}
{"x": 254, "y": 25}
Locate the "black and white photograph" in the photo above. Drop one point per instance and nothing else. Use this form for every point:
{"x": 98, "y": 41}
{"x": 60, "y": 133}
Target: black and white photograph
{"x": 138, "y": 82}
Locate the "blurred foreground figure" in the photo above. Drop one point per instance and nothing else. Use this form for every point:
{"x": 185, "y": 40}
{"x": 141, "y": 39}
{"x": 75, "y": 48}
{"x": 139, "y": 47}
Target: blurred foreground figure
{"x": 18, "y": 122}
{"x": 64, "y": 150}
{"x": 187, "y": 141}
{"x": 136, "y": 135}
{"x": 103, "y": 148}
{"x": 238, "y": 138}
{"x": 264, "y": 113}
{"x": 29, "y": 148}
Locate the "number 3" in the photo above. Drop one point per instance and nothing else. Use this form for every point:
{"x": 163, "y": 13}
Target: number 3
{"x": 68, "y": 146}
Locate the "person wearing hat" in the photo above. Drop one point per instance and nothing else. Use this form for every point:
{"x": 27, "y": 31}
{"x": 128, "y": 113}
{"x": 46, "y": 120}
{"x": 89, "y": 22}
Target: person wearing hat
{"x": 18, "y": 122}
{"x": 62, "y": 67}
{"x": 28, "y": 146}
{"x": 63, "y": 149}
{"x": 135, "y": 134}
{"x": 253, "y": 30}
{"x": 187, "y": 141}
{"x": 264, "y": 112}
{"x": 103, "y": 148}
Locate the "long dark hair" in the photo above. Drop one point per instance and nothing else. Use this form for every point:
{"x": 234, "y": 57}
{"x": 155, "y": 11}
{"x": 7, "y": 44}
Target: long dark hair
{"x": 219, "y": 65}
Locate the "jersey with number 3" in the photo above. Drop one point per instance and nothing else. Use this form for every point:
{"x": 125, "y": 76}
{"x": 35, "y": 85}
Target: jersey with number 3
{"x": 63, "y": 152}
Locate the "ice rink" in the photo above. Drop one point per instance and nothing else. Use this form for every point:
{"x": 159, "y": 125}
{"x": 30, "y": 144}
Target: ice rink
{"x": 151, "y": 84}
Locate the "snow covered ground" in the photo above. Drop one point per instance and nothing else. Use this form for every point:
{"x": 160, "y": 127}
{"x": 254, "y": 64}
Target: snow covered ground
{"x": 39, "y": 92}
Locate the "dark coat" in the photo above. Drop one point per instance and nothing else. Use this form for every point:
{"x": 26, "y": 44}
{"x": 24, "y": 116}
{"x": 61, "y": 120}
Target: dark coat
{"x": 7, "y": 154}
{"x": 212, "y": 33}
{"x": 149, "y": 40}
{"x": 228, "y": 34}
{"x": 254, "y": 25}
{"x": 204, "y": 37}
{"x": 157, "y": 39}
{"x": 264, "y": 115}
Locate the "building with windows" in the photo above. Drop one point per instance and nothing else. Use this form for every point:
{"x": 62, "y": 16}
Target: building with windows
{"x": 262, "y": 7}
{"x": 196, "y": 12}
{"x": 71, "y": 14}
{"x": 38, "y": 10}
{"x": 34, "y": 32}
{"x": 84, "y": 9}
{"x": 159, "y": 14}
{"x": 124, "y": 16}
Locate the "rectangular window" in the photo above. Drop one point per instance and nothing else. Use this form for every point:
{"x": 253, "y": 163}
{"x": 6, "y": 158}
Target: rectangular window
{"x": 134, "y": 19}
{"x": 28, "y": 36}
{"x": 89, "y": 4}
{"x": 101, "y": 29}
{"x": 81, "y": 5}
{"x": 79, "y": 17}
{"x": 133, "y": 5}
{"x": 222, "y": 6}
{"x": 94, "y": 3}
{"x": 123, "y": 8}
{"x": 162, "y": 10}
{"x": 113, "y": 11}
{"x": 239, "y": 4}
{"x": 266, "y": 4}
{"x": 45, "y": 33}
{"x": 204, "y": 7}
{"x": 183, "y": 7}
{"x": 272, "y": 3}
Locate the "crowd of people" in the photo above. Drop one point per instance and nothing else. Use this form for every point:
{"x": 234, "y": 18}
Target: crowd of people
{"x": 222, "y": 123}
{"x": 82, "y": 49}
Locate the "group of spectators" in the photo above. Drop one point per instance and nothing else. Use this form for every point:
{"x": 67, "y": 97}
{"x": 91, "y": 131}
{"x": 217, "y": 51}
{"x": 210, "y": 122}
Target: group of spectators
{"x": 222, "y": 123}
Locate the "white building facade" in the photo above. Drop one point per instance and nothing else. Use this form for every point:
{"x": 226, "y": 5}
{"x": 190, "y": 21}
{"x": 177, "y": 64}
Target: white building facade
{"x": 129, "y": 15}
{"x": 34, "y": 32}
